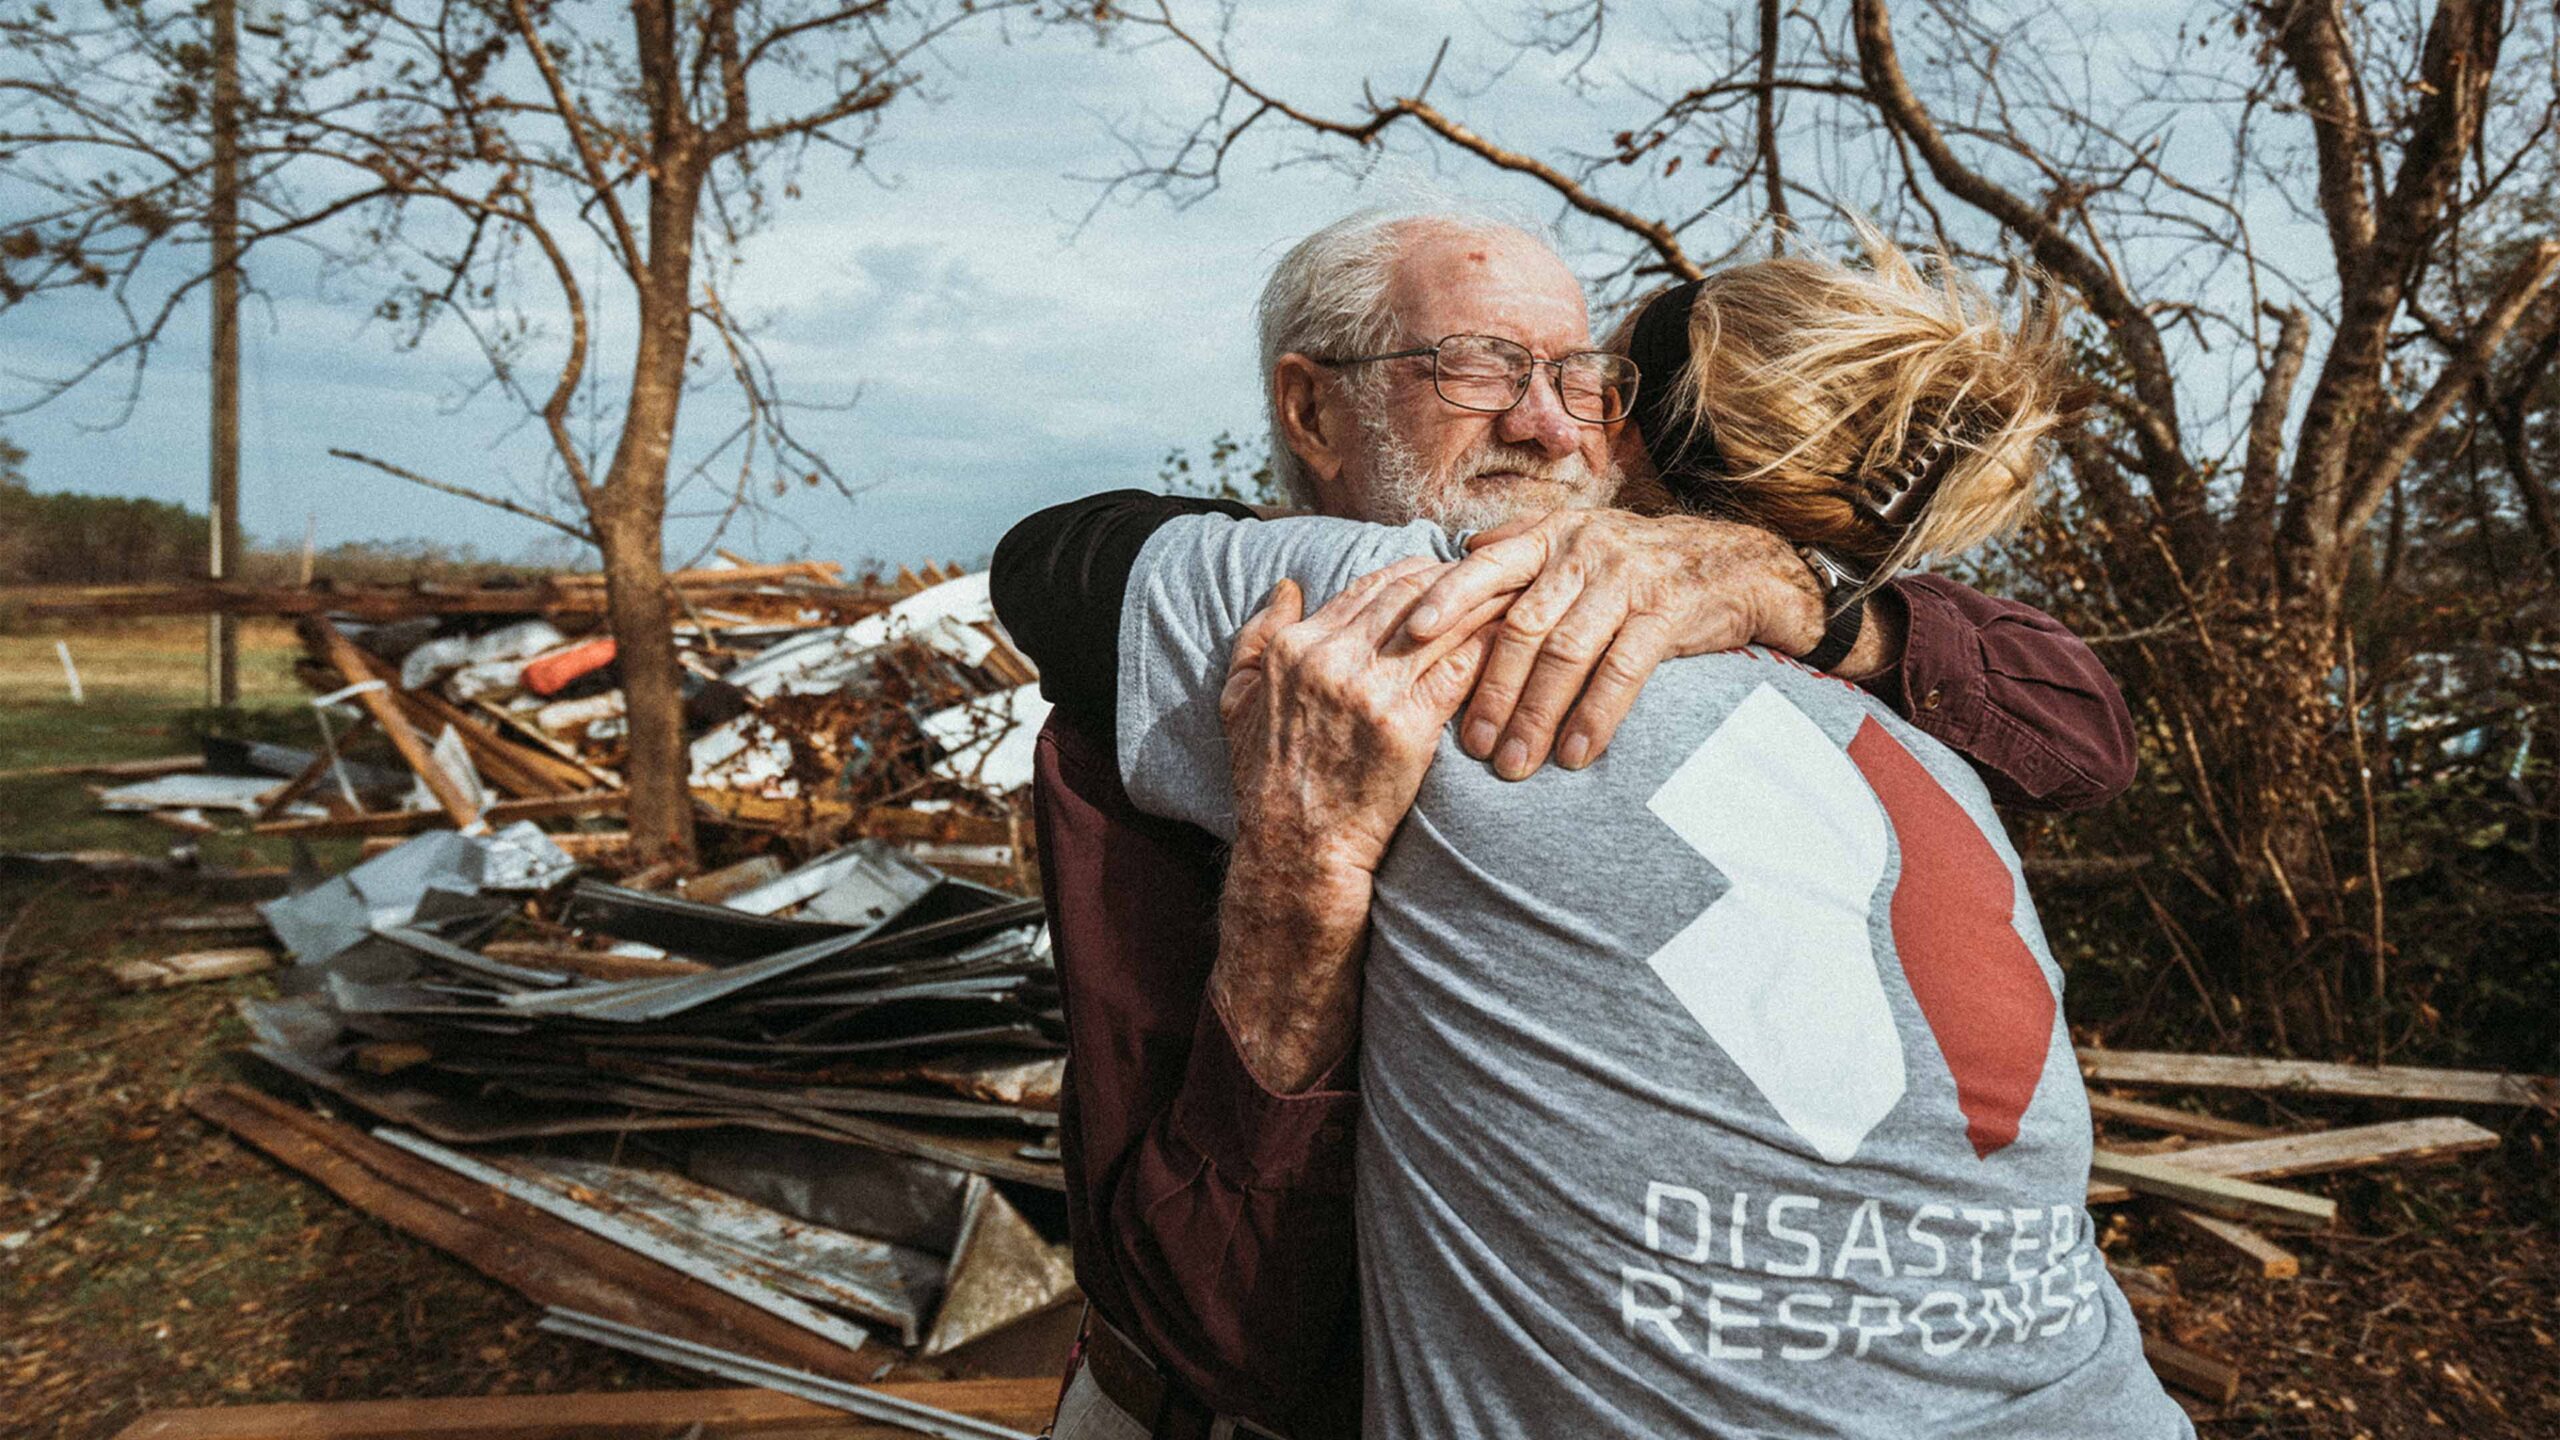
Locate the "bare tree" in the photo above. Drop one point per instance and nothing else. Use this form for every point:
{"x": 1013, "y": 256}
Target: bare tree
{"x": 452, "y": 152}
{"x": 2258, "y": 403}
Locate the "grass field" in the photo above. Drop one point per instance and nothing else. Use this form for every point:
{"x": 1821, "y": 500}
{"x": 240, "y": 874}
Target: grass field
{"x": 144, "y": 686}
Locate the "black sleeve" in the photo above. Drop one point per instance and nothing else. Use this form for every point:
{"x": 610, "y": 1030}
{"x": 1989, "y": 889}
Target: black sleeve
{"x": 1058, "y": 580}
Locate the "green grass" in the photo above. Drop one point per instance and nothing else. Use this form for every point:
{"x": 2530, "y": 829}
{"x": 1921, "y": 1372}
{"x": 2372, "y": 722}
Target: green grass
{"x": 144, "y": 685}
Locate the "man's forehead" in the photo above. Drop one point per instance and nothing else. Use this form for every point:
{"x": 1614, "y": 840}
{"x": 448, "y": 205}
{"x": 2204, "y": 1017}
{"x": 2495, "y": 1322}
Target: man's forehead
{"x": 1488, "y": 283}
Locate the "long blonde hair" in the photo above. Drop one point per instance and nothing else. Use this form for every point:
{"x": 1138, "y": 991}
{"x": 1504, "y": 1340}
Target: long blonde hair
{"x": 1826, "y": 388}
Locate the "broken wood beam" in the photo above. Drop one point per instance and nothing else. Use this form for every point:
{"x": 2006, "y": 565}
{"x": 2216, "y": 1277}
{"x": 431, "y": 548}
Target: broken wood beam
{"x": 629, "y": 1415}
{"x": 2395, "y": 1142}
{"x": 2203, "y": 1376}
{"x": 2272, "y": 1261}
{"x": 2319, "y": 1077}
{"x": 2173, "y": 1120}
{"x": 194, "y": 967}
{"x": 2214, "y": 1194}
{"x": 594, "y": 964}
{"x": 378, "y": 700}
{"x": 548, "y": 1260}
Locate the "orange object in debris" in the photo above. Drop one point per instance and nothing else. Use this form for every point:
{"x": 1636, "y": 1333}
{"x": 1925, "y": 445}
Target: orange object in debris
{"x": 549, "y": 674}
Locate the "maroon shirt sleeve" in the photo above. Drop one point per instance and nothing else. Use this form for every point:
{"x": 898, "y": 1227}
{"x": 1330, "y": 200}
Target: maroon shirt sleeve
{"x": 1211, "y": 1218}
{"x": 2011, "y": 689}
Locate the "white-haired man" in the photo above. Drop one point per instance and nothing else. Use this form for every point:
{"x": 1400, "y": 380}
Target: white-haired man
{"x": 1418, "y": 366}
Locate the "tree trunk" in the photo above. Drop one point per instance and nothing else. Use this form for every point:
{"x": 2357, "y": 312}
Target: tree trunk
{"x": 631, "y": 533}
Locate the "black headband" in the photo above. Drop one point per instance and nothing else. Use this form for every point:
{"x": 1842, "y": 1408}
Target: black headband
{"x": 1660, "y": 348}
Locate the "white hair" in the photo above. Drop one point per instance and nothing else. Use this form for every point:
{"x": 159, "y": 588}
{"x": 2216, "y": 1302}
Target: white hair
{"x": 1328, "y": 298}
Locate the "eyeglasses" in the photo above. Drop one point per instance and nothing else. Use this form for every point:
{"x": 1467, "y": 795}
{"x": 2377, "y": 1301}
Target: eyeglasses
{"x": 1489, "y": 374}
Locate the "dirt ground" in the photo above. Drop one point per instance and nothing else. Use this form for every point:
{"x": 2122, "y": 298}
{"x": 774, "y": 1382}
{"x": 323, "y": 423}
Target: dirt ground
{"x": 147, "y": 1261}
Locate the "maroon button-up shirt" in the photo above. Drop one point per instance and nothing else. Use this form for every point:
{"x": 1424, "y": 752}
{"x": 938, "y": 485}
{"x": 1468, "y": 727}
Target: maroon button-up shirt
{"x": 1211, "y": 1218}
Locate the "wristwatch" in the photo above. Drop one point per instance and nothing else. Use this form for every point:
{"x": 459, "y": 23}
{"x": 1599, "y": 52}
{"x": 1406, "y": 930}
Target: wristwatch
{"x": 1844, "y": 600}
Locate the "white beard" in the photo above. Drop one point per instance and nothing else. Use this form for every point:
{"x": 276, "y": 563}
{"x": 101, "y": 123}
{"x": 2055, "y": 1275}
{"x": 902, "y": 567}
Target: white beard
{"x": 1402, "y": 489}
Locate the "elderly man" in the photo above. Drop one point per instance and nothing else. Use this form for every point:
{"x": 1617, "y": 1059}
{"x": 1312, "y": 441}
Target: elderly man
{"x": 1212, "y": 1001}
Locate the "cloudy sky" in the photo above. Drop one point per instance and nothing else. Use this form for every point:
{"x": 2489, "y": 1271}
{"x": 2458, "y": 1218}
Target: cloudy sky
{"x": 1007, "y": 351}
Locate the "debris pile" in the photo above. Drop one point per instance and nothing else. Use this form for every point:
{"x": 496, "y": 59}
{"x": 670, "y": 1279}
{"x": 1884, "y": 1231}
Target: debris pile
{"x": 811, "y": 1099}
{"x": 809, "y": 705}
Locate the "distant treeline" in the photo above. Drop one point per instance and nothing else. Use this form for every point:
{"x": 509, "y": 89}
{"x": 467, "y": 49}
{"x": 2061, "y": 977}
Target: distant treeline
{"x": 96, "y": 540}
{"x": 67, "y": 539}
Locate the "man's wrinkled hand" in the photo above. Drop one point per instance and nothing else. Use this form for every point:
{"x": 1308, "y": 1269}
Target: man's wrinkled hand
{"x": 1331, "y": 722}
{"x": 1333, "y": 717}
{"x": 1598, "y": 599}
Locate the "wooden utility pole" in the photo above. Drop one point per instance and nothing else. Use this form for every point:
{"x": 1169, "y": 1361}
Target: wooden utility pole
{"x": 222, "y": 638}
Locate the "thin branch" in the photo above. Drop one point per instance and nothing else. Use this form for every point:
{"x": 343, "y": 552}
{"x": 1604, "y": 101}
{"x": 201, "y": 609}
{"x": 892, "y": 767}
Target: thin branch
{"x": 2522, "y": 289}
{"x": 633, "y": 258}
{"x": 500, "y": 502}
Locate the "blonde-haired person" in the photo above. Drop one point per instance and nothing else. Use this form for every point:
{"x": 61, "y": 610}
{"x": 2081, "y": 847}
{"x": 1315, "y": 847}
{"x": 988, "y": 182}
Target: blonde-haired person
{"x": 1720, "y": 1087}
{"x": 1875, "y": 414}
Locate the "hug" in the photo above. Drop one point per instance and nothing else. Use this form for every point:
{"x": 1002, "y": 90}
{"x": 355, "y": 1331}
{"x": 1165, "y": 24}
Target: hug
{"x": 1540, "y": 954}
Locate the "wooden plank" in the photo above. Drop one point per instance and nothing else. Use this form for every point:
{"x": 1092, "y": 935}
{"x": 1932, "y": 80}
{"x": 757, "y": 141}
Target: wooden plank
{"x": 516, "y": 768}
{"x": 2201, "y": 1375}
{"x": 891, "y": 822}
{"x": 547, "y": 1259}
{"x": 631, "y": 1415}
{"x": 2174, "y": 1120}
{"x": 193, "y": 967}
{"x": 596, "y": 964}
{"x": 410, "y": 822}
{"x": 2272, "y": 1261}
{"x": 2319, "y": 1077}
{"x": 2396, "y": 1142}
{"x": 2213, "y": 1194}
{"x": 147, "y": 769}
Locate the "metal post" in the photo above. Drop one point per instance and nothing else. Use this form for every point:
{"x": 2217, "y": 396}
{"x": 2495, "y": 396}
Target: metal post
{"x": 222, "y": 638}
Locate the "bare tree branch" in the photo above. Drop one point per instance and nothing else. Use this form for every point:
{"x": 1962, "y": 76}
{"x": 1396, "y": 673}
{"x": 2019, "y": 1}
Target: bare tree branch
{"x": 499, "y": 502}
{"x": 2527, "y": 285}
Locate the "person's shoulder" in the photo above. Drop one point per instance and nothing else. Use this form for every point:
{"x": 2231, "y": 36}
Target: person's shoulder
{"x": 1321, "y": 552}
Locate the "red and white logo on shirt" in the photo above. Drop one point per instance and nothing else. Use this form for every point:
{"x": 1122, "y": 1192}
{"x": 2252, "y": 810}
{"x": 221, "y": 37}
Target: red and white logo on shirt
{"x": 1781, "y": 970}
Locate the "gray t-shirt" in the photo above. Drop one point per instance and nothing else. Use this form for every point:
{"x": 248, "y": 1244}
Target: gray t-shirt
{"x": 1718, "y": 1089}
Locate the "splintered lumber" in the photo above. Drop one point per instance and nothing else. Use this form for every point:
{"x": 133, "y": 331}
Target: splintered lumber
{"x": 630, "y": 1415}
{"x": 194, "y": 967}
{"x": 355, "y": 665}
{"x": 2193, "y": 1371}
{"x": 410, "y": 822}
{"x": 2213, "y": 1194}
{"x": 2319, "y": 1077}
{"x": 2173, "y": 1120}
{"x": 549, "y": 1260}
{"x": 514, "y": 767}
{"x": 594, "y": 964}
{"x": 2273, "y": 1261}
{"x": 2397, "y": 1142}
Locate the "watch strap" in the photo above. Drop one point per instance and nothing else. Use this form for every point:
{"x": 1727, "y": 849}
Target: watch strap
{"x": 1840, "y": 636}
